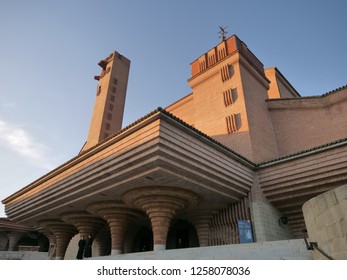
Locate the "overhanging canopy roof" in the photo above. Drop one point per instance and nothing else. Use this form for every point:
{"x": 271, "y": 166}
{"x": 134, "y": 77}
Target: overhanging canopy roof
{"x": 157, "y": 150}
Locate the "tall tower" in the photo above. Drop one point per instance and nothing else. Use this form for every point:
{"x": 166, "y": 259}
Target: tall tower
{"x": 229, "y": 92}
{"x": 109, "y": 103}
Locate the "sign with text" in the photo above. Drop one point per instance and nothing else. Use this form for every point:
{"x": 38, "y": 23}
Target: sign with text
{"x": 245, "y": 231}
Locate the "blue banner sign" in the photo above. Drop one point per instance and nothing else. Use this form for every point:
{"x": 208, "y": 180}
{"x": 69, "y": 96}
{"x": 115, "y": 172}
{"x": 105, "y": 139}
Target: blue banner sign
{"x": 245, "y": 231}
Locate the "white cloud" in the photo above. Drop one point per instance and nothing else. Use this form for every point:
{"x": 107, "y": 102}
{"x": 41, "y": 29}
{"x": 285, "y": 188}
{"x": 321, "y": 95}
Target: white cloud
{"x": 23, "y": 144}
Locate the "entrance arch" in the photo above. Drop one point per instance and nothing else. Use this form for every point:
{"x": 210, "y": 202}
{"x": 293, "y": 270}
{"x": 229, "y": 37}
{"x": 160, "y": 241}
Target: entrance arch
{"x": 182, "y": 234}
{"x": 143, "y": 240}
{"x": 34, "y": 241}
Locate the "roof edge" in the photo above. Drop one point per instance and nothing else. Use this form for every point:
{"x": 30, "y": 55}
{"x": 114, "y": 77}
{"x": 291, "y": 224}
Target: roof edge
{"x": 303, "y": 153}
{"x": 310, "y": 97}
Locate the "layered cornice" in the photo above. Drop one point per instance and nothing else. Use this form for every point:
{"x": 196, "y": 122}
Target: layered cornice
{"x": 156, "y": 150}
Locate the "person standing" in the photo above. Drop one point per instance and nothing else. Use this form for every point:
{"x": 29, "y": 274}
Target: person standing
{"x": 81, "y": 246}
{"x": 88, "y": 248}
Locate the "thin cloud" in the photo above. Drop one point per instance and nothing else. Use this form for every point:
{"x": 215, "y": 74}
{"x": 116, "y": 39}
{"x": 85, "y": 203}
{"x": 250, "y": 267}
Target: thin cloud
{"x": 23, "y": 144}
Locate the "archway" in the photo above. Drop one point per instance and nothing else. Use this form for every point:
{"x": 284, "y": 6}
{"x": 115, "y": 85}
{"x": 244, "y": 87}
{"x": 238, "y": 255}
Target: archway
{"x": 34, "y": 241}
{"x": 181, "y": 235}
{"x": 143, "y": 240}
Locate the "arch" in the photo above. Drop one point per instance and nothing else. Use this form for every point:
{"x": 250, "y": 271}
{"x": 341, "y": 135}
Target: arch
{"x": 34, "y": 241}
{"x": 182, "y": 234}
{"x": 143, "y": 240}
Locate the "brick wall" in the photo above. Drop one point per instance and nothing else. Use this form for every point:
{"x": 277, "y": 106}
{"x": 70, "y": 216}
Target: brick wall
{"x": 303, "y": 123}
{"x": 183, "y": 109}
{"x": 265, "y": 222}
{"x": 279, "y": 85}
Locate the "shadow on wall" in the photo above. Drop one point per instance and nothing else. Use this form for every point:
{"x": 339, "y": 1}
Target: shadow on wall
{"x": 239, "y": 142}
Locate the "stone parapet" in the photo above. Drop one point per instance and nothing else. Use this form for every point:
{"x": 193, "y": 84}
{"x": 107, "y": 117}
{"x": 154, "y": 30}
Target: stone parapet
{"x": 293, "y": 249}
{"x": 326, "y": 222}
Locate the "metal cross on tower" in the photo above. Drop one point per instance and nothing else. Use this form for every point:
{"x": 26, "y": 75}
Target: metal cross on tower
{"x": 222, "y": 32}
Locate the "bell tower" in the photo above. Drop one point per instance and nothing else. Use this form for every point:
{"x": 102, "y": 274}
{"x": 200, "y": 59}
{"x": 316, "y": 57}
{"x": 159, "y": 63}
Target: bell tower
{"x": 229, "y": 92}
{"x": 109, "y": 103}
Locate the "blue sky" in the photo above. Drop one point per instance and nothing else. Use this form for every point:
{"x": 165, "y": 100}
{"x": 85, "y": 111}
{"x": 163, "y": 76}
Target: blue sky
{"x": 49, "y": 52}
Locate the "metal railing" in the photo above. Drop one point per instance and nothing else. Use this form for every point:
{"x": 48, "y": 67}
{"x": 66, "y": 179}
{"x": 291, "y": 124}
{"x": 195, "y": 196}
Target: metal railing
{"x": 314, "y": 246}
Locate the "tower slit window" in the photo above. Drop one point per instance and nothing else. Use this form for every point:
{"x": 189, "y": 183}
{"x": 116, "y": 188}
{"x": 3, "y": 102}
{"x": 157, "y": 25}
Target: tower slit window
{"x": 222, "y": 74}
{"x": 221, "y": 54}
{"x": 211, "y": 60}
{"x": 202, "y": 65}
{"x": 231, "y": 124}
{"x": 226, "y": 72}
{"x": 230, "y": 96}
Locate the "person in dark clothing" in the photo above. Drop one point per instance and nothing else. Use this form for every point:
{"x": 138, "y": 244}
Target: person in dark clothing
{"x": 88, "y": 248}
{"x": 81, "y": 246}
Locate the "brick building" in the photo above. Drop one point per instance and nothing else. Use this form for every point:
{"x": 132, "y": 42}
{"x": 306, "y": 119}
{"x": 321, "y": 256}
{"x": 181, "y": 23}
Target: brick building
{"x": 234, "y": 161}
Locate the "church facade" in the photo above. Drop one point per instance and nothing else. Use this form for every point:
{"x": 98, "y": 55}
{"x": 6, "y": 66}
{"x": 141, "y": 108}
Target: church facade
{"x": 232, "y": 162}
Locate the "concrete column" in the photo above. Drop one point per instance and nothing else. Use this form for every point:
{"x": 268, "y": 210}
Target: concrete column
{"x": 161, "y": 204}
{"x": 49, "y": 235}
{"x": 13, "y": 238}
{"x": 52, "y": 242}
{"x": 62, "y": 232}
{"x": 87, "y": 224}
{"x": 201, "y": 219}
{"x": 100, "y": 244}
{"x": 118, "y": 217}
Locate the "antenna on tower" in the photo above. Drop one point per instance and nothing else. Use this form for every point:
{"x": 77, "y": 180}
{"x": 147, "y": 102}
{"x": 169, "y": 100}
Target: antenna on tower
{"x": 222, "y": 32}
